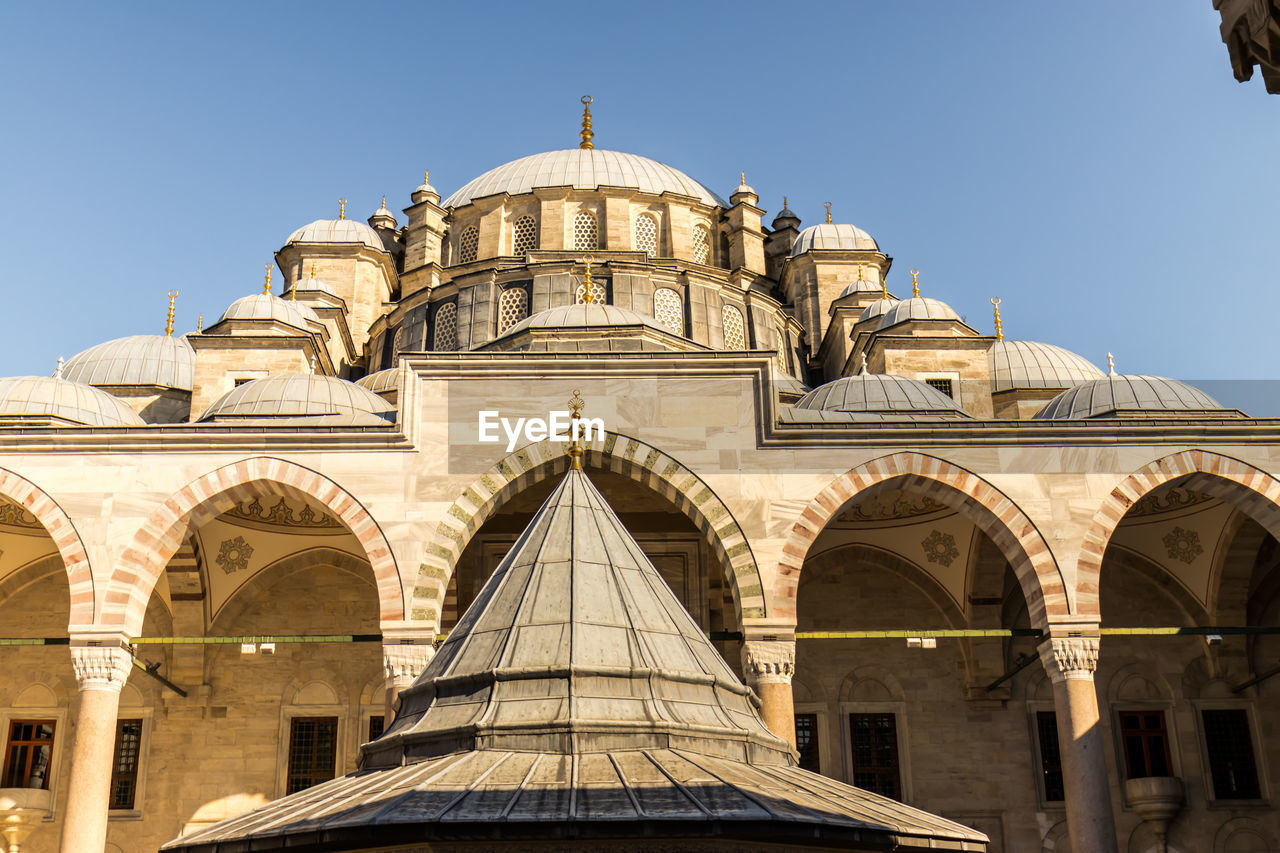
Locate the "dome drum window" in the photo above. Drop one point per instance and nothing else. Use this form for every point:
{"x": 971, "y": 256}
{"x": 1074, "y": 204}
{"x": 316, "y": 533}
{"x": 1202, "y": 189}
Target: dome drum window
{"x": 446, "y": 328}
{"x": 586, "y": 235}
{"x": 646, "y": 235}
{"x": 599, "y": 294}
{"x": 668, "y": 310}
{"x": 513, "y": 306}
{"x": 468, "y": 245}
{"x": 701, "y": 244}
{"x": 735, "y": 337}
{"x": 524, "y": 236}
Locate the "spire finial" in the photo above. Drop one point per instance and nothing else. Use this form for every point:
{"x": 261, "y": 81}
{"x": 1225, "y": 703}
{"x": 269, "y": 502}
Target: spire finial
{"x": 586, "y": 133}
{"x": 266, "y": 285}
{"x": 575, "y": 451}
{"x": 742, "y": 177}
{"x": 384, "y": 202}
{"x": 884, "y": 286}
{"x": 862, "y": 364}
{"x": 199, "y": 322}
{"x": 1111, "y": 365}
{"x": 426, "y": 177}
{"x": 342, "y": 208}
{"x": 57, "y": 371}
{"x": 915, "y": 283}
{"x": 862, "y": 272}
{"x": 168, "y": 326}
{"x": 995, "y": 303}
{"x": 828, "y": 207}
{"x": 313, "y": 270}
{"x": 784, "y": 203}
{"x": 587, "y": 296}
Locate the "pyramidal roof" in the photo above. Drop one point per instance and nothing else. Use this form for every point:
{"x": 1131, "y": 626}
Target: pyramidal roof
{"x": 577, "y": 702}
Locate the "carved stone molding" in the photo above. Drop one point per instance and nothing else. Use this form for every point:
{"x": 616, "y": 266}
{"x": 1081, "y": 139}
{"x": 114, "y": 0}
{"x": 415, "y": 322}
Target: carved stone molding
{"x": 404, "y": 662}
{"x": 101, "y": 667}
{"x": 769, "y": 661}
{"x": 1070, "y": 657}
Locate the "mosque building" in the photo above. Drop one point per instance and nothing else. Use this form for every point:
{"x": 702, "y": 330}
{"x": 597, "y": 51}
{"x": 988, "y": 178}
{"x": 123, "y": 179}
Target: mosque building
{"x": 838, "y": 569}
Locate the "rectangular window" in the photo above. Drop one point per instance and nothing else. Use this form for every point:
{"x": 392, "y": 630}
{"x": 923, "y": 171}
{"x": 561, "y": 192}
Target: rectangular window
{"x": 875, "y": 754}
{"x": 124, "y": 772}
{"x": 28, "y": 754}
{"x": 313, "y": 752}
{"x": 1230, "y": 747}
{"x": 376, "y": 727}
{"x": 1146, "y": 744}
{"x": 1050, "y": 757}
{"x": 807, "y": 741}
{"x": 943, "y": 385}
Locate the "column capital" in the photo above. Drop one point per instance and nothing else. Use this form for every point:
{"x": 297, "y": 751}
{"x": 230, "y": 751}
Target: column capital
{"x": 769, "y": 661}
{"x": 1066, "y": 658}
{"x": 104, "y": 667}
{"x": 404, "y": 662}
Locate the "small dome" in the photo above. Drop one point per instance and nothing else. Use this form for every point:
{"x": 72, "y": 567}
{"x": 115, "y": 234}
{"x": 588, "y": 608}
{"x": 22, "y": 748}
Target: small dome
{"x": 313, "y": 397}
{"x": 587, "y": 315}
{"x": 1131, "y": 394}
{"x": 828, "y": 235}
{"x": 383, "y": 382}
{"x": 157, "y": 360}
{"x": 583, "y": 169}
{"x": 267, "y": 306}
{"x": 786, "y": 218}
{"x": 787, "y": 386}
{"x": 860, "y": 286}
{"x": 337, "y": 231}
{"x": 918, "y": 308}
{"x": 310, "y": 284}
{"x": 1031, "y": 364}
{"x": 879, "y": 393}
{"x": 24, "y": 398}
{"x": 876, "y": 310}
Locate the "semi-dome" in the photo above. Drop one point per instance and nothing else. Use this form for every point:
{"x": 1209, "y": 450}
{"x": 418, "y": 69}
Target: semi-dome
{"x": 337, "y": 231}
{"x": 833, "y": 235}
{"x": 50, "y": 399}
{"x": 267, "y": 306}
{"x": 879, "y": 393}
{"x": 312, "y": 397}
{"x": 585, "y": 315}
{"x": 583, "y": 169}
{"x": 1133, "y": 395}
{"x": 919, "y": 308}
{"x": 153, "y": 360}
{"x": 1031, "y": 364}
{"x": 877, "y": 309}
{"x": 383, "y": 382}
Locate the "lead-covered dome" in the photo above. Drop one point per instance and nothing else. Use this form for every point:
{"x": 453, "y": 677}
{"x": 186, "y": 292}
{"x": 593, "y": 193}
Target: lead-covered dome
{"x": 1031, "y": 364}
{"x": 833, "y": 235}
{"x": 1133, "y": 396}
{"x": 583, "y": 169}
{"x": 50, "y": 400}
{"x": 919, "y": 308}
{"x": 267, "y": 306}
{"x": 159, "y": 361}
{"x": 879, "y": 394}
{"x": 876, "y": 310}
{"x": 302, "y": 397}
{"x": 337, "y": 231}
{"x": 584, "y": 316}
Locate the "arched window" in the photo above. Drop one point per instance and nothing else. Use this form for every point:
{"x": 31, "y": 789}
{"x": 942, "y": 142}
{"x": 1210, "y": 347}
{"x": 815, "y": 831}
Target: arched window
{"x": 524, "y": 236}
{"x": 513, "y": 306}
{"x": 724, "y": 251}
{"x": 586, "y": 237}
{"x": 468, "y": 243}
{"x": 735, "y": 337}
{"x": 667, "y": 309}
{"x": 701, "y": 244}
{"x": 597, "y": 292}
{"x": 646, "y": 236}
{"x": 446, "y": 339}
{"x": 783, "y": 362}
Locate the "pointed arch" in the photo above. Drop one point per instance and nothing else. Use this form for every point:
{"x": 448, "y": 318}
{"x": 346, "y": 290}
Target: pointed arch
{"x": 209, "y": 496}
{"x": 990, "y": 510}
{"x": 1250, "y": 490}
{"x": 621, "y": 454}
{"x": 75, "y": 559}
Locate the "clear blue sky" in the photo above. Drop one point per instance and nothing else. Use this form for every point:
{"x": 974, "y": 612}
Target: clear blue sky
{"x": 1092, "y": 163}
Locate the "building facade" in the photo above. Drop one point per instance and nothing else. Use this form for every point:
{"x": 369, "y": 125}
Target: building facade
{"x": 980, "y": 576}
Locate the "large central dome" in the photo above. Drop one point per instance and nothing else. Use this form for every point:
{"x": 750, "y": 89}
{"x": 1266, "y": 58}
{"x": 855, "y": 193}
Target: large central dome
{"x": 583, "y": 169}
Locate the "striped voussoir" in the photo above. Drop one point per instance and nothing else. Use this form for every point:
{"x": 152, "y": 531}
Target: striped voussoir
{"x": 621, "y": 454}
{"x": 1251, "y": 490}
{"x": 57, "y": 524}
{"x": 202, "y": 500}
{"x": 967, "y": 493}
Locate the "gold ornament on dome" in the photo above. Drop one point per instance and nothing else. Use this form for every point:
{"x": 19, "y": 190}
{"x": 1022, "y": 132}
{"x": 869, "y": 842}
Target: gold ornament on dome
{"x": 995, "y": 303}
{"x": 575, "y": 451}
{"x": 342, "y": 208}
{"x": 827, "y": 205}
{"x": 586, "y": 133}
{"x": 266, "y": 285}
{"x": 168, "y": 326}
{"x": 915, "y": 283}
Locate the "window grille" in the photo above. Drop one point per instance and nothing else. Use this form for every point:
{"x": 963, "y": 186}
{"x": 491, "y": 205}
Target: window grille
{"x": 598, "y": 295}
{"x": 1050, "y": 757}
{"x": 524, "y": 236}
{"x": 446, "y": 339}
{"x": 646, "y": 237}
{"x": 1231, "y": 761}
{"x": 513, "y": 306}
{"x": 807, "y": 741}
{"x": 1146, "y": 743}
{"x": 667, "y": 309}
{"x": 124, "y": 771}
{"x": 943, "y": 385}
{"x": 377, "y": 725}
{"x": 28, "y": 753}
{"x": 701, "y": 244}
{"x": 875, "y": 754}
{"x": 468, "y": 244}
{"x": 735, "y": 337}
{"x": 586, "y": 237}
{"x": 313, "y": 750}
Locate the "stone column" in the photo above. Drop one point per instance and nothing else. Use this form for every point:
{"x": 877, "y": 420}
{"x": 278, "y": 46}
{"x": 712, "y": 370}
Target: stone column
{"x": 769, "y": 665}
{"x": 403, "y": 663}
{"x": 101, "y": 671}
{"x": 1070, "y": 662}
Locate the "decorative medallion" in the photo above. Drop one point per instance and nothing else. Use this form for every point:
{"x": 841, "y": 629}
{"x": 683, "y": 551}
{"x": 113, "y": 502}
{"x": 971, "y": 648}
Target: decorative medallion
{"x": 17, "y": 516}
{"x": 234, "y": 554}
{"x": 940, "y": 548}
{"x": 1183, "y": 544}
{"x": 282, "y": 514}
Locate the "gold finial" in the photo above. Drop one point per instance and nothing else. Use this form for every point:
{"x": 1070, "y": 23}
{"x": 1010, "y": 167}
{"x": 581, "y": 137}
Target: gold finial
{"x": 784, "y": 203}
{"x": 915, "y": 283}
{"x": 742, "y": 176}
{"x": 884, "y": 286}
{"x": 168, "y": 326}
{"x": 828, "y": 207}
{"x": 995, "y": 303}
{"x": 384, "y": 202}
{"x": 575, "y": 451}
{"x": 587, "y": 296}
{"x": 586, "y": 133}
{"x": 862, "y": 272}
{"x": 1111, "y": 365}
{"x": 426, "y": 177}
{"x": 266, "y": 286}
{"x": 313, "y": 270}
{"x": 342, "y": 208}
{"x": 199, "y": 323}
